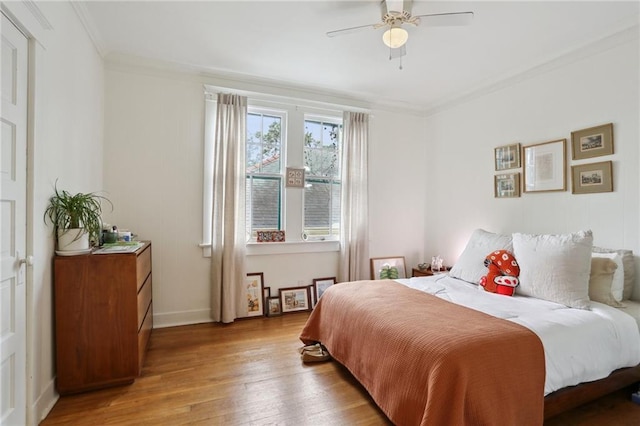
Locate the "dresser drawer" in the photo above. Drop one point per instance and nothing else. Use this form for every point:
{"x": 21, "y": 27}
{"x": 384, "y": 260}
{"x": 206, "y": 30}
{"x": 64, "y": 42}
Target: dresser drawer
{"x": 144, "y": 299}
{"x": 143, "y": 266}
{"x": 143, "y": 337}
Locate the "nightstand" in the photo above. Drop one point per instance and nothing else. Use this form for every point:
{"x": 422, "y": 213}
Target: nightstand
{"x": 415, "y": 272}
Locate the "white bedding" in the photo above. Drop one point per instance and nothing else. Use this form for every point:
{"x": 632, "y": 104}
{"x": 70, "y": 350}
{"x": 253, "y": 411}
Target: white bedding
{"x": 579, "y": 345}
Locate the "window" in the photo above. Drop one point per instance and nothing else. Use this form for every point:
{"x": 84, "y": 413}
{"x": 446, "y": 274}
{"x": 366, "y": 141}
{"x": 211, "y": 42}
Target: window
{"x": 313, "y": 143}
{"x": 264, "y": 171}
{"x": 322, "y": 155}
{"x": 284, "y": 132}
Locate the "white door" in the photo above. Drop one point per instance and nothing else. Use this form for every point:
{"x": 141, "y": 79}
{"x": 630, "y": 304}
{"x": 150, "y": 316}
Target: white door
{"x": 13, "y": 170}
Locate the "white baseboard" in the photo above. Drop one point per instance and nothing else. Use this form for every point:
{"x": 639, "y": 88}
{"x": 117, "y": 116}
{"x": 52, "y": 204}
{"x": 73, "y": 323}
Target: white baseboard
{"x": 173, "y": 319}
{"x": 45, "y": 402}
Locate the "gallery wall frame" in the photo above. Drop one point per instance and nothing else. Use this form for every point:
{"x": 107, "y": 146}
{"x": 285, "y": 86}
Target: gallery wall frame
{"x": 507, "y": 185}
{"x": 507, "y": 157}
{"x": 388, "y": 267}
{"x": 592, "y": 142}
{"x": 592, "y": 178}
{"x": 545, "y": 166}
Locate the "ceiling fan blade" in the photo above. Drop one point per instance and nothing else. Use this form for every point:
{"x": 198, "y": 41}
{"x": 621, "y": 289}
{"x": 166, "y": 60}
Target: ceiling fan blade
{"x": 351, "y": 30}
{"x": 444, "y": 19}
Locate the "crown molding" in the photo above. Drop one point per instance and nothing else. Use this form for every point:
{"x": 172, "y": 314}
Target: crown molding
{"x": 627, "y": 35}
{"x": 37, "y": 13}
{"x": 90, "y": 27}
{"x": 121, "y": 62}
{"x": 28, "y": 18}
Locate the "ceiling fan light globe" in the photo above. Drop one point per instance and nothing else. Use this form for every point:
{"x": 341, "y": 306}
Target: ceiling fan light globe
{"x": 395, "y": 37}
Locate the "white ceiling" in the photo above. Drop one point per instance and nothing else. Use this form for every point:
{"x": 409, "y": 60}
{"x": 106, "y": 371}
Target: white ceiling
{"x": 286, "y": 41}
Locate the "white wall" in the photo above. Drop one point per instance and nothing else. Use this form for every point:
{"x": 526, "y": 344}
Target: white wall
{"x": 397, "y": 184}
{"x": 153, "y": 156}
{"x": 596, "y": 87}
{"x": 67, "y": 129}
{"x": 154, "y": 128}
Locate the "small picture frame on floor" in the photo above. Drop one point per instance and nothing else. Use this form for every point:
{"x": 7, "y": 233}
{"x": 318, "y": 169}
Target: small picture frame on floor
{"x": 273, "y": 307}
{"x": 254, "y": 290}
{"x": 295, "y": 299}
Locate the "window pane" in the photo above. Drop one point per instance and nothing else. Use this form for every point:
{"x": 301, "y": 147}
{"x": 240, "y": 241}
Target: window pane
{"x": 322, "y": 208}
{"x": 322, "y": 148}
{"x": 263, "y": 143}
{"x": 263, "y": 203}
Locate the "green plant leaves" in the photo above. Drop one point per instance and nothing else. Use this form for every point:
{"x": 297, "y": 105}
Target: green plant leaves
{"x": 67, "y": 211}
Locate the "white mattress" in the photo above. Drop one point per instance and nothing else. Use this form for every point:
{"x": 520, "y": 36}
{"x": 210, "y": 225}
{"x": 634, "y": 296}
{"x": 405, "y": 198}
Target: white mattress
{"x": 579, "y": 345}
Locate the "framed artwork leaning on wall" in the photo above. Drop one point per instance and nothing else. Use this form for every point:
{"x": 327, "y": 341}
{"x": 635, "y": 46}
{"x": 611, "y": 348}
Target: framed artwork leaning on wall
{"x": 388, "y": 268}
{"x": 254, "y": 291}
{"x": 293, "y": 299}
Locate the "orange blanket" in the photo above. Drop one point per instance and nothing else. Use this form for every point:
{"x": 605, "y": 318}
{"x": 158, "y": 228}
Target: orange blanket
{"x": 426, "y": 361}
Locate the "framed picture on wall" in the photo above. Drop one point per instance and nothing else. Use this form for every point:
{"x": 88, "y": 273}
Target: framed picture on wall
{"x": 295, "y": 177}
{"x": 507, "y": 157}
{"x": 507, "y": 185}
{"x": 592, "y": 178}
{"x": 592, "y": 142}
{"x": 544, "y": 166}
{"x": 254, "y": 293}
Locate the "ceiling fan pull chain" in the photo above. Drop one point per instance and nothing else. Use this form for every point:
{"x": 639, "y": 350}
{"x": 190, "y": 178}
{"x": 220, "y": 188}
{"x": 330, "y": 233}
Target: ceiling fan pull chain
{"x": 400, "y": 63}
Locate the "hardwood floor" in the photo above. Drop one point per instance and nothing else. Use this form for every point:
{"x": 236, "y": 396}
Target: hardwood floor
{"x": 250, "y": 373}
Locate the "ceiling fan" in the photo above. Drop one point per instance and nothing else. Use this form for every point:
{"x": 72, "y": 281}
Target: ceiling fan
{"x": 395, "y": 14}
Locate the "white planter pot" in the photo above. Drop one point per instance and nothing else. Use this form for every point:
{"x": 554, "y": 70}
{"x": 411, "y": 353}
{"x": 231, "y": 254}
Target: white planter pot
{"x": 75, "y": 239}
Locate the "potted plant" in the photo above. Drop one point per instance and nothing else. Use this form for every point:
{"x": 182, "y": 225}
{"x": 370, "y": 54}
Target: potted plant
{"x": 76, "y": 219}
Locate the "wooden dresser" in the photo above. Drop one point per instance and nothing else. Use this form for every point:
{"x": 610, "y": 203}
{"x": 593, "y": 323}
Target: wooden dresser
{"x": 103, "y": 318}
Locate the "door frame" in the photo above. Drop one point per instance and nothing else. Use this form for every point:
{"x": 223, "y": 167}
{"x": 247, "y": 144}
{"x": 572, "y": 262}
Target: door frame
{"x": 28, "y": 23}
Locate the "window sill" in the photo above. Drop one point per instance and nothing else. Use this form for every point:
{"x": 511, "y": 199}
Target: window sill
{"x": 288, "y": 247}
{"x": 259, "y": 249}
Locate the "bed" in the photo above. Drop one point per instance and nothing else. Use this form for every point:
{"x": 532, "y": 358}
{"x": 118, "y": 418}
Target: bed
{"x": 439, "y": 350}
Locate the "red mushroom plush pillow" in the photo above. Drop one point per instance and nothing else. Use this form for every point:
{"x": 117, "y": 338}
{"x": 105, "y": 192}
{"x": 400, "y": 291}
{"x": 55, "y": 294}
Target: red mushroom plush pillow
{"x": 502, "y": 277}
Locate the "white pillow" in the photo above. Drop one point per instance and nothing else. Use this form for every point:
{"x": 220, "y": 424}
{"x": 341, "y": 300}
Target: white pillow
{"x": 470, "y": 266}
{"x": 555, "y": 267}
{"x": 629, "y": 266}
{"x": 617, "y": 286}
{"x": 601, "y": 280}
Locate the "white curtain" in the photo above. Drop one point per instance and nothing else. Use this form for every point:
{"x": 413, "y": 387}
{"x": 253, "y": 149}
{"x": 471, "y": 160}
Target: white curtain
{"x": 354, "y": 233}
{"x": 228, "y": 222}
